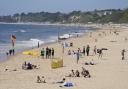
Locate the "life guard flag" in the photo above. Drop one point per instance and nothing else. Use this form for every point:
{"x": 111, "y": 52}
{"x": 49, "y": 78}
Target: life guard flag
{"x": 13, "y": 38}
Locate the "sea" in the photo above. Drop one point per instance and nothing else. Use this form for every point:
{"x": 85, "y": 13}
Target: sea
{"x": 28, "y": 35}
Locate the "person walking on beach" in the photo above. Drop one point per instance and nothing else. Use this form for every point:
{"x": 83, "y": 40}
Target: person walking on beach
{"x": 87, "y": 50}
{"x": 78, "y": 56}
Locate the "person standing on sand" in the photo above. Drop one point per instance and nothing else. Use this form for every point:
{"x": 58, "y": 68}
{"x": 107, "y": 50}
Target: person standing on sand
{"x": 84, "y": 50}
{"x": 38, "y": 44}
{"x": 94, "y": 50}
{"x": 52, "y": 51}
{"x": 122, "y": 53}
{"x": 78, "y": 56}
{"x": 87, "y": 50}
{"x": 42, "y": 53}
{"x": 10, "y": 52}
{"x": 13, "y": 51}
{"x": 47, "y": 50}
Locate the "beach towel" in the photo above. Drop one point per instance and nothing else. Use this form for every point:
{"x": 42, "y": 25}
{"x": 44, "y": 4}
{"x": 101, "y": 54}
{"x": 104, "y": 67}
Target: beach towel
{"x": 68, "y": 84}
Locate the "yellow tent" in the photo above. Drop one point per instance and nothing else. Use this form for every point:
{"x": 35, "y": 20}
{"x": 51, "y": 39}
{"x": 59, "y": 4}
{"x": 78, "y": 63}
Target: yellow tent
{"x": 56, "y": 63}
{"x": 32, "y": 53}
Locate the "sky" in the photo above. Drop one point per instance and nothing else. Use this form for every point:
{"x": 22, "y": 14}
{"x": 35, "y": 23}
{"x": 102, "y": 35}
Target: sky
{"x": 10, "y": 7}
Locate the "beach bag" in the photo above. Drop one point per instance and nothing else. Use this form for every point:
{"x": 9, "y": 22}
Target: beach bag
{"x": 56, "y": 63}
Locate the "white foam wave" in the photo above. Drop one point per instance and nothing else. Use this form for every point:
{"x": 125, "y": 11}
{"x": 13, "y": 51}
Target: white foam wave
{"x": 65, "y": 36}
{"x": 29, "y": 43}
{"x": 22, "y": 31}
{"x": 15, "y": 31}
{"x": 77, "y": 33}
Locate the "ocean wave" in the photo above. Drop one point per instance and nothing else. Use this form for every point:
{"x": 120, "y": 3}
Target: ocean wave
{"x": 29, "y": 43}
{"x": 19, "y": 31}
{"x": 15, "y": 31}
{"x": 66, "y": 36}
{"x": 22, "y": 31}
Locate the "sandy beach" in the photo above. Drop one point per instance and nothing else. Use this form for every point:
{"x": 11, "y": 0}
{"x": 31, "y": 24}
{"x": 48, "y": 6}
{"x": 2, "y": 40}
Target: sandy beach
{"x": 110, "y": 71}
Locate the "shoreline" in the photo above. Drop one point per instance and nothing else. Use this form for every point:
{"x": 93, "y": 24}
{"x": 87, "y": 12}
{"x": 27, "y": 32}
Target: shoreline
{"x": 47, "y": 43}
{"x": 44, "y": 45}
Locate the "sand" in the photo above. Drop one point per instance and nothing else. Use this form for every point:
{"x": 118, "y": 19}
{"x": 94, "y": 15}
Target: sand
{"x": 110, "y": 72}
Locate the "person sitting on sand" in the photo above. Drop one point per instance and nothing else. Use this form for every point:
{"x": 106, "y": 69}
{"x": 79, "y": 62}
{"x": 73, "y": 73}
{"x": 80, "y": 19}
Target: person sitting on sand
{"x": 39, "y": 80}
{"x": 85, "y": 73}
{"x": 69, "y": 52}
{"x": 90, "y": 63}
{"x": 24, "y": 65}
{"x": 29, "y": 66}
{"x": 72, "y": 74}
{"x": 77, "y": 74}
{"x": 99, "y": 51}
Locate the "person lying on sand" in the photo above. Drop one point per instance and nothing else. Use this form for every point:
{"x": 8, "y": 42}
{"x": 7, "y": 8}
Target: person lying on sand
{"x": 64, "y": 83}
{"x": 90, "y": 63}
{"x": 28, "y": 66}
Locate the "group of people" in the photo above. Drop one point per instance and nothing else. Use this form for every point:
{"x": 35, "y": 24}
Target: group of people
{"x": 47, "y": 53}
{"x": 10, "y": 52}
{"x": 86, "y": 51}
{"x": 85, "y": 73}
{"x": 28, "y": 66}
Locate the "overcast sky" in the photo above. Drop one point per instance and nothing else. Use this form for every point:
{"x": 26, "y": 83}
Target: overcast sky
{"x": 17, "y": 6}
